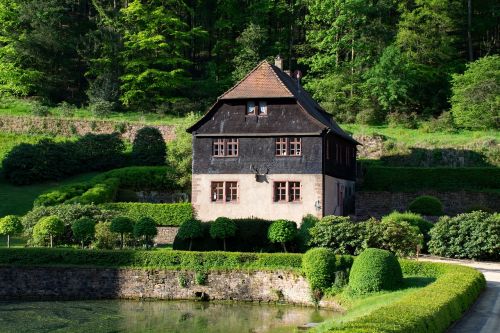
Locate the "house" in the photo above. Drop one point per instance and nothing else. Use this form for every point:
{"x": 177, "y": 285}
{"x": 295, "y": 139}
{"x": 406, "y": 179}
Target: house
{"x": 266, "y": 149}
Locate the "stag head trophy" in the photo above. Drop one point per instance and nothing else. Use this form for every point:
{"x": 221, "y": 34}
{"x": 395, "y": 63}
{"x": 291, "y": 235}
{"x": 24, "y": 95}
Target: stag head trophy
{"x": 261, "y": 172}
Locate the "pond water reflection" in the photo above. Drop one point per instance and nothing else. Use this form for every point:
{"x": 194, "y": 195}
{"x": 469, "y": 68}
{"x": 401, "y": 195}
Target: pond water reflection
{"x": 154, "y": 316}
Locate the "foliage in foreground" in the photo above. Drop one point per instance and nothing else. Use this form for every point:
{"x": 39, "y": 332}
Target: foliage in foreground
{"x": 375, "y": 270}
{"x": 474, "y": 235}
{"x": 430, "y": 309}
{"x": 320, "y": 265}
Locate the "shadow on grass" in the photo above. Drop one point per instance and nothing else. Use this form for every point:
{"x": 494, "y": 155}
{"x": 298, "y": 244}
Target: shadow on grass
{"x": 417, "y": 282}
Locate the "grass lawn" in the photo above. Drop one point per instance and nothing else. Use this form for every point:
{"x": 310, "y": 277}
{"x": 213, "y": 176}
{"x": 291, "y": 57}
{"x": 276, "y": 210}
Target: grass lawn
{"x": 362, "y": 305}
{"x": 18, "y": 200}
{"x": 21, "y": 107}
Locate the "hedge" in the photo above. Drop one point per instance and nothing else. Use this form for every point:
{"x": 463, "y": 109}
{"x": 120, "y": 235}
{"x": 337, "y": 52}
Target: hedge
{"x": 445, "y": 179}
{"x": 144, "y": 178}
{"x": 430, "y": 309}
{"x": 173, "y": 214}
{"x": 149, "y": 259}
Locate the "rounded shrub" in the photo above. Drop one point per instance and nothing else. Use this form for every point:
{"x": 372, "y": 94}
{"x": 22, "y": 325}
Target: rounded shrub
{"x": 375, "y": 270}
{"x": 189, "y": 230}
{"x": 318, "y": 265}
{"x": 426, "y": 205}
{"x": 223, "y": 228}
{"x": 145, "y": 228}
{"x": 83, "y": 230}
{"x": 122, "y": 225}
{"x": 149, "y": 147}
{"x": 104, "y": 237}
{"x": 48, "y": 228}
{"x": 282, "y": 231}
{"x": 413, "y": 219}
{"x": 10, "y": 225}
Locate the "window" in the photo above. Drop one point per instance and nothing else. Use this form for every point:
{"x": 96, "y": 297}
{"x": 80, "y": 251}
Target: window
{"x": 217, "y": 191}
{"x": 232, "y": 147}
{"x": 287, "y": 191}
{"x": 224, "y": 191}
{"x": 262, "y": 108}
{"x": 225, "y": 147}
{"x": 295, "y": 146}
{"x": 218, "y": 147}
{"x": 281, "y": 146}
{"x": 288, "y": 146}
{"x": 294, "y": 191}
{"x": 250, "y": 108}
{"x": 279, "y": 191}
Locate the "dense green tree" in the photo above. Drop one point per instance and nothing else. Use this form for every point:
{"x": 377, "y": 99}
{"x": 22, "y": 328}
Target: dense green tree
{"x": 189, "y": 230}
{"x": 282, "y": 231}
{"x": 223, "y": 228}
{"x": 475, "y": 100}
{"x": 10, "y": 225}
{"x": 149, "y": 147}
{"x": 122, "y": 225}
{"x": 83, "y": 230}
{"x": 48, "y": 227}
{"x": 251, "y": 46}
{"x": 145, "y": 228}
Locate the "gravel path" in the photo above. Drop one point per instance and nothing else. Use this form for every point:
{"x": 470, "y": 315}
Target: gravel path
{"x": 484, "y": 315}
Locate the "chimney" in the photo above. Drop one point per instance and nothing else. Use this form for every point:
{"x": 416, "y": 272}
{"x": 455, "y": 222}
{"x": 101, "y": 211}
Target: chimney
{"x": 278, "y": 62}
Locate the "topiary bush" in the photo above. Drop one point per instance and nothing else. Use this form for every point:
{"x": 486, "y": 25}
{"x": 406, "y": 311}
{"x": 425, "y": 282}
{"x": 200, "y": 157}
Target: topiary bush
{"x": 282, "y": 231}
{"x": 413, "y": 219}
{"x": 190, "y": 230}
{"x": 222, "y": 228}
{"x": 149, "y": 147}
{"x": 473, "y": 235}
{"x": 10, "y": 225}
{"x": 145, "y": 228}
{"x": 105, "y": 239}
{"x": 48, "y": 228}
{"x": 173, "y": 214}
{"x": 318, "y": 265}
{"x": 83, "y": 230}
{"x": 122, "y": 225}
{"x": 426, "y": 205}
{"x": 375, "y": 270}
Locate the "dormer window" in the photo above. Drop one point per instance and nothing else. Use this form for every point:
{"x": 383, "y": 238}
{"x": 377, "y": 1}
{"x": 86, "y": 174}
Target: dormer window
{"x": 251, "y": 108}
{"x": 262, "y": 108}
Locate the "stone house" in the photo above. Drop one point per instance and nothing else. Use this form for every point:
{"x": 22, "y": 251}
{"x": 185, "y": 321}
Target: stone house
{"x": 266, "y": 149}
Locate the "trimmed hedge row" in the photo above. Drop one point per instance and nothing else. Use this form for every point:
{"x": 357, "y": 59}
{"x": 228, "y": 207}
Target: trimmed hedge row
{"x": 173, "y": 214}
{"x": 144, "y": 178}
{"x": 430, "y": 309}
{"x": 149, "y": 259}
{"x": 414, "y": 179}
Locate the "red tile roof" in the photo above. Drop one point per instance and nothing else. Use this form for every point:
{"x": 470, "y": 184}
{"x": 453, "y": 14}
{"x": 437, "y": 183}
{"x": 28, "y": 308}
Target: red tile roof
{"x": 261, "y": 82}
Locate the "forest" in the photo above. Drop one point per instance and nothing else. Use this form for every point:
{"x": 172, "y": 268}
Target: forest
{"x": 365, "y": 61}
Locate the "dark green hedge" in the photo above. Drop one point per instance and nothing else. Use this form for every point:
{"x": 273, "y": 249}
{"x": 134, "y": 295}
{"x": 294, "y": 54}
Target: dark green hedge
{"x": 149, "y": 259}
{"x": 414, "y": 179}
{"x": 430, "y": 309}
{"x": 173, "y": 214}
{"x": 144, "y": 178}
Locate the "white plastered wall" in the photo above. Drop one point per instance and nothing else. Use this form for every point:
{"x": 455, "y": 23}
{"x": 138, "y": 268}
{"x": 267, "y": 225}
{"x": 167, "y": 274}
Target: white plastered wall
{"x": 345, "y": 187}
{"x": 256, "y": 199}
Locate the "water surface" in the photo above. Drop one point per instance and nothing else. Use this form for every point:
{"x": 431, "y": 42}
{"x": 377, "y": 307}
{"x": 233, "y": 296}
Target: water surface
{"x": 110, "y": 316}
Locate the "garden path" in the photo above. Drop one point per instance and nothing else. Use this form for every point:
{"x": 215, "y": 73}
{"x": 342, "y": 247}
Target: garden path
{"x": 484, "y": 315}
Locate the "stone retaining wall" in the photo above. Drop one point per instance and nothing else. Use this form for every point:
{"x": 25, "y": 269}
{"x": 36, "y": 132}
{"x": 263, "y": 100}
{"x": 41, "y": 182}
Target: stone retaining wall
{"x": 379, "y": 203}
{"x": 71, "y": 127}
{"x": 99, "y": 283}
{"x": 166, "y": 235}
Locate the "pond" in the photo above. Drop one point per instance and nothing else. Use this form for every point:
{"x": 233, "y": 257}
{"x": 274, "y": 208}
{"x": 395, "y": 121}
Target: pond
{"x": 115, "y": 316}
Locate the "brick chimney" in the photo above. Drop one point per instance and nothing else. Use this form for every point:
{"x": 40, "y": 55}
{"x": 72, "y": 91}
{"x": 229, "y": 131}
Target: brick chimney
{"x": 278, "y": 62}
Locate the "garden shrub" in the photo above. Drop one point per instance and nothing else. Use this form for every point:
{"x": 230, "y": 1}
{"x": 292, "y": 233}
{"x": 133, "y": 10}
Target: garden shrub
{"x": 98, "y": 193}
{"x": 303, "y": 235}
{"x": 430, "y": 309}
{"x": 473, "y": 235}
{"x": 61, "y": 194}
{"x": 222, "y": 228}
{"x": 104, "y": 237}
{"x": 340, "y": 234}
{"x": 10, "y": 225}
{"x": 144, "y": 178}
{"x": 163, "y": 214}
{"x": 426, "y": 205}
{"x": 400, "y": 238}
{"x": 122, "y": 225}
{"x": 83, "y": 230}
{"x": 48, "y": 228}
{"x": 145, "y": 228}
{"x": 282, "y": 231}
{"x": 413, "y": 219}
{"x": 407, "y": 179}
{"x": 190, "y": 230}
{"x": 319, "y": 267}
{"x": 49, "y": 160}
{"x": 375, "y": 270}
{"x": 149, "y": 147}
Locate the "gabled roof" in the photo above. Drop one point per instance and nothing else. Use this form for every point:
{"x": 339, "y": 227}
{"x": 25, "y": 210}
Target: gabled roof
{"x": 268, "y": 81}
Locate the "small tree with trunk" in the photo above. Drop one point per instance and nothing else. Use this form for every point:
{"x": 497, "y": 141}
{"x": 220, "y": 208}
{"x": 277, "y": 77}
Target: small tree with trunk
{"x": 83, "y": 230}
{"x": 48, "y": 227}
{"x": 282, "y": 231}
{"x": 223, "y": 228}
{"x": 145, "y": 228}
{"x": 10, "y": 225}
{"x": 122, "y": 225}
{"x": 189, "y": 230}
